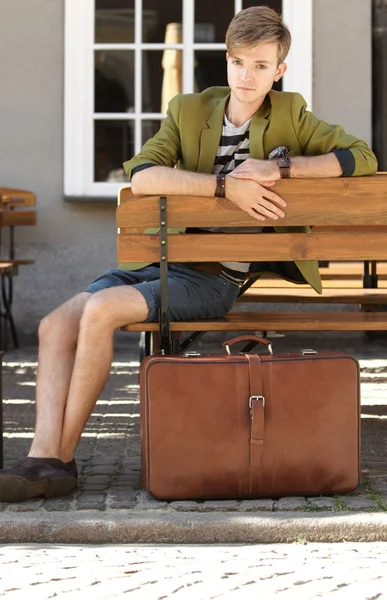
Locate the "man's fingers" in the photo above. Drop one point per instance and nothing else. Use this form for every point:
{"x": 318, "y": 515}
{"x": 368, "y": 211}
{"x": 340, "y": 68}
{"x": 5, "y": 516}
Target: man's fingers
{"x": 272, "y": 197}
{"x": 269, "y": 209}
{"x": 255, "y": 214}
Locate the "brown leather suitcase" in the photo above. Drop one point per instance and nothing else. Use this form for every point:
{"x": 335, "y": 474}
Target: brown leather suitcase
{"x": 250, "y": 426}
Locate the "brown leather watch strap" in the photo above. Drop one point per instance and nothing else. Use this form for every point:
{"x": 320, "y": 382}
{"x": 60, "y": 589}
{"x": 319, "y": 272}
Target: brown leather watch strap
{"x": 257, "y": 415}
{"x": 220, "y": 191}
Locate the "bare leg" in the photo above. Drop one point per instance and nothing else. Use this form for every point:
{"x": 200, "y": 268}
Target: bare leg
{"x": 58, "y": 334}
{"x": 105, "y": 312}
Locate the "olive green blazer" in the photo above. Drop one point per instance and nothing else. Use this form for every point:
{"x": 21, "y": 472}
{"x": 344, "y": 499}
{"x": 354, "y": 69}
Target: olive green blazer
{"x": 189, "y": 138}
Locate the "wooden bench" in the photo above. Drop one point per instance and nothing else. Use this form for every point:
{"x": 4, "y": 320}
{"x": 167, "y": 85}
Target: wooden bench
{"x": 349, "y": 220}
{"x": 17, "y": 208}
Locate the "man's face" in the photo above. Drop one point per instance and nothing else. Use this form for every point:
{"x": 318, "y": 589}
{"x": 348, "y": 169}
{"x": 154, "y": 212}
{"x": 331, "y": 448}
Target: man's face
{"x": 252, "y": 71}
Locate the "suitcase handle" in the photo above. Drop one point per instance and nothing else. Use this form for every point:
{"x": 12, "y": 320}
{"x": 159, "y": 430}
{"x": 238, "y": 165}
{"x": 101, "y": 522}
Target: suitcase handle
{"x": 247, "y": 338}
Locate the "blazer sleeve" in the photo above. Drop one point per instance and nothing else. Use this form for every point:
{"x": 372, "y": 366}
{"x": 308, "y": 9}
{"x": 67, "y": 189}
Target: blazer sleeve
{"x": 318, "y": 137}
{"x": 164, "y": 148}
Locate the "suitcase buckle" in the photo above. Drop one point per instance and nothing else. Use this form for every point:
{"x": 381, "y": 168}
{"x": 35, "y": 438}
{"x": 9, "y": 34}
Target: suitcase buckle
{"x": 256, "y": 398}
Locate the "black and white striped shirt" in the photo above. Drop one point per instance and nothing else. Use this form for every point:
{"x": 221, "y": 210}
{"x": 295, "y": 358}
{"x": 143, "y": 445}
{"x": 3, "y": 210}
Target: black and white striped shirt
{"x": 234, "y": 147}
{"x": 233, "y": 150}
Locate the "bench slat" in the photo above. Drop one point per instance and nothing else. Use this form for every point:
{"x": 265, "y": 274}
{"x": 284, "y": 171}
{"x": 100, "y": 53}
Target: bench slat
{"x": 19, "y": 217}
{"x": 14, "y": 197}
{"x": 362, "y": 201}
{"x": 349, "y": 245}
{"x": 272, "y": 321}
{"x": 307, "y": 295}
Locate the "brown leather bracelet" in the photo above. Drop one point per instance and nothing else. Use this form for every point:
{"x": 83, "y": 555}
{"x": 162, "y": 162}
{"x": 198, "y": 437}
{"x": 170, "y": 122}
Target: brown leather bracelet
{"x": 220, "y": 191}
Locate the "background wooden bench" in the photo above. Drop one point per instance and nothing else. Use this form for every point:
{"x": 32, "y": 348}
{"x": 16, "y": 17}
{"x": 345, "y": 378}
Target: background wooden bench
{"x": 349, "y": 220}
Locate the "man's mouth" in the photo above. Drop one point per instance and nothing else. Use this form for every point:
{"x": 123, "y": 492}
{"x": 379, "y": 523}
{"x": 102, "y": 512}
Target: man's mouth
{"x": 245, "y": 89}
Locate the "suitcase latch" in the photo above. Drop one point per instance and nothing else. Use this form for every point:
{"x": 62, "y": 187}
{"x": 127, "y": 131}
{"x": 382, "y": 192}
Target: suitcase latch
{"x": 308, "y": 352}
{"x": 256, "y": 398}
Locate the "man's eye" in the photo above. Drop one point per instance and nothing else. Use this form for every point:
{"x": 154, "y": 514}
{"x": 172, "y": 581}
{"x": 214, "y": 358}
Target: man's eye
{"x": 261, "y": 66}
{"x": 236, "y": 62}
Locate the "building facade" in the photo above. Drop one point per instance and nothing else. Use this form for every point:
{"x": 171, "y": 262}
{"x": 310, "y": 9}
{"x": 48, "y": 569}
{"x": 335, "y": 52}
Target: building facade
{"x": 84, "y": 85}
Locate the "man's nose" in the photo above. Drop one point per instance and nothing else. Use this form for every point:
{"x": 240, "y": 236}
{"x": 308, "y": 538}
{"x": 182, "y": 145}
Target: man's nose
{"x": 245, "y": 75}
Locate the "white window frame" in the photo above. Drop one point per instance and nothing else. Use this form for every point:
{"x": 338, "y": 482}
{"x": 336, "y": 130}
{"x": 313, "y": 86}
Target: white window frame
{"x": 79, "y": 113}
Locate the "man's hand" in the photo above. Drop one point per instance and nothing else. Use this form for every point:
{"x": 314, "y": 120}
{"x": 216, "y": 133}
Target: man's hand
{"x": 254, "y": 198}
{"x": 265, "y": 172}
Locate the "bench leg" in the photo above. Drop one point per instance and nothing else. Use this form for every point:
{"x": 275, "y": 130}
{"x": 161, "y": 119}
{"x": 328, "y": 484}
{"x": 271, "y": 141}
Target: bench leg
{"x": 6, "y": 312}
{"x": 145, "y": 344}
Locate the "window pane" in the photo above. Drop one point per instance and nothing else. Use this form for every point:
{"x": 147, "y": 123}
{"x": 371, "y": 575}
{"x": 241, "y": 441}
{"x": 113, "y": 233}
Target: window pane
{"x": 114, "y": 81}
{"x": 114, "y": 21}
{"x": 156, "y": 16}
{"x": 113, "y": 144}
{"x": 211, "y": 25}
{"x": 149, "y": 128}
{"x": 152, "y": 80}
{"x": 210, "y": 69}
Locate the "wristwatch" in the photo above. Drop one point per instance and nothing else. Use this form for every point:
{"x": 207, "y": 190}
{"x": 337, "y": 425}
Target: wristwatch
{"x": 284, "y": 167}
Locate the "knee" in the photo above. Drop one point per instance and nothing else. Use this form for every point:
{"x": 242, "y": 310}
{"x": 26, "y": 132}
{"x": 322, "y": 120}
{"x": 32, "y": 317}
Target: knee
{"x": 60, "y": 326}
{"x": 96, "y": 311}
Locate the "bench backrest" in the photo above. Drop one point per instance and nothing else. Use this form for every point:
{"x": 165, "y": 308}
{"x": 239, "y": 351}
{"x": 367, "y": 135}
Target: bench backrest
{"x": 348, "y": 216}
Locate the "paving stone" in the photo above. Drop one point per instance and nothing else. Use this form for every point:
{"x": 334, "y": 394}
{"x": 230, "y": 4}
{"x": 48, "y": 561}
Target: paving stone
{"x": 185, "y": 505}
{"x": 94, "y": 479}
{"x": 290, "y": 503}
{"x": 122, "y": 504}
{"x": 361, "y": 503}
{"x": 88, "y": 487}
{"x": 32, "y": 506}
{"x": 102, "y": 470}
{"x": 151, "y": 505}
{"x": 220, "y": 505}
{"x": 90, "y": 497}
{"x": 103, "y": 460}
{"x": 324, "y": 502}
{"x": 264, "y": 504}
{"x": 129, "y": 489}
{"x": 123, "y": 495}
{"x": 90, "y": 505}
{"x": 57, "y": 504}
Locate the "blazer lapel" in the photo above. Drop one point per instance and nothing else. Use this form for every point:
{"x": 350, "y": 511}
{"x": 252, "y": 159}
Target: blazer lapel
{"x": 258, "y": 125}
{"x": 210, "y": 137}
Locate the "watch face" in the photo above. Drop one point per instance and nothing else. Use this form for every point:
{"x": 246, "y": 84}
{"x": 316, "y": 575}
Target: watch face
{"x": 284, "y": 163}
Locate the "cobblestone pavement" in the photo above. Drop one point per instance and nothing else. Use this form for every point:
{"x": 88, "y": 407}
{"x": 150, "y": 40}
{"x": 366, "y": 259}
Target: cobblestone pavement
{"x": 337, "y": 571}
{"x": 109, "y": 452}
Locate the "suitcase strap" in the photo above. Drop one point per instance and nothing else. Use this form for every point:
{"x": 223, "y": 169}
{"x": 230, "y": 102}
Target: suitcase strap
{"x": 257, "y": 414}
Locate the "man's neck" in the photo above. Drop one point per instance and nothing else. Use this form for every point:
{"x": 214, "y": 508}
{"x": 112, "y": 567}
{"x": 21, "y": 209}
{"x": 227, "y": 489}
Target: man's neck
{"x": 238, "y": 113}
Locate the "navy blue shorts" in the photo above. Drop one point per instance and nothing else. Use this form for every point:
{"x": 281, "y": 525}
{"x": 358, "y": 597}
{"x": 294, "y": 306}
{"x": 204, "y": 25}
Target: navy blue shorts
{"x": 192, "y": 295}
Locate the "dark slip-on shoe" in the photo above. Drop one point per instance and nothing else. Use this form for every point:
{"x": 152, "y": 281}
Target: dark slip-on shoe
{"x": 73, "y": 466}
{"x": 33, "y": 477}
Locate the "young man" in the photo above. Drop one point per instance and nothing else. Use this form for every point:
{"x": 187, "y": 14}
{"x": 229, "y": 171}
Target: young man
{"x": 224, "y": 141}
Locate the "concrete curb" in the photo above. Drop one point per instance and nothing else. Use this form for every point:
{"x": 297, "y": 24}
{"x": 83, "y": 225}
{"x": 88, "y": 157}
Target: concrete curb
{"x": 121, "y": 527}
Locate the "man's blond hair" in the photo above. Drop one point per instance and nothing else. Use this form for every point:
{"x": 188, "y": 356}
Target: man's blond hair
{"x": 258, "y": 25}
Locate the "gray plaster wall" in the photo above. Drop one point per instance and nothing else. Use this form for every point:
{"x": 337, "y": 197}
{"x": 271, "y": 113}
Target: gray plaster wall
{"x": 342, "y": 64}
{"x": 74, "y": 243}
{"x": 71, "y": 244}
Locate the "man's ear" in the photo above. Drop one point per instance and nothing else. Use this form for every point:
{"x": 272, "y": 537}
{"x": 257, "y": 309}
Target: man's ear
{"x": 227, "y": 56}
{"x": 280, "y": 71}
